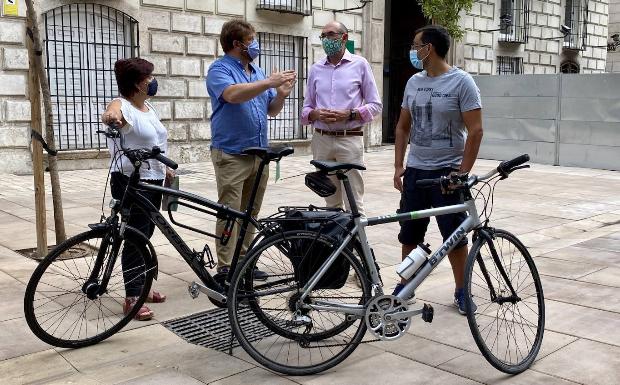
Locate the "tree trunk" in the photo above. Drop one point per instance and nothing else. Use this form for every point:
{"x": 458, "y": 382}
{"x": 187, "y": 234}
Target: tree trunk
{"x": 59, "y": 223}
{"x": 37, "y": 152}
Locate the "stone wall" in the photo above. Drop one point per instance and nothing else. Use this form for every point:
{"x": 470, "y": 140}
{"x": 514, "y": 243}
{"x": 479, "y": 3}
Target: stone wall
{"x": 480, "y": 48}
{"x": 181, "y": 38}
{"x": 14, "y": 104}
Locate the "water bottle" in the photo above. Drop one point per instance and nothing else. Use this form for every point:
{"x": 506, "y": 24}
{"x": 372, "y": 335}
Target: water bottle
{"x": 413, "y": 261}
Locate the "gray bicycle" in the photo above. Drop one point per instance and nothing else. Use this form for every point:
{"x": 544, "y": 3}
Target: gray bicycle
{"x": 324, "y": 290}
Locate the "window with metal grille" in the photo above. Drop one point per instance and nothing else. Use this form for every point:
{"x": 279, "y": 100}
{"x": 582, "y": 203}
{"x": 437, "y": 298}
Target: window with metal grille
{"x": 576, "y": 18}
{"x": 569, "y": 67}
{"x": 514, "y": 20}
{"x": 299, "y": 7}
{"x": 82, "y": 43}
{"x": 286, "y": 52}
{"x": 508, "y": 65}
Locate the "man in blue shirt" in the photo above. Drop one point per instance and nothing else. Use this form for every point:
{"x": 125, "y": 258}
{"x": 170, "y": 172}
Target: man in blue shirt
{"x": 242, "y": 97}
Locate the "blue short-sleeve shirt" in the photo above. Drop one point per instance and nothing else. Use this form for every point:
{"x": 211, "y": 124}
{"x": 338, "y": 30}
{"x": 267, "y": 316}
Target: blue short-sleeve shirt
{"x": 237, "y": 126}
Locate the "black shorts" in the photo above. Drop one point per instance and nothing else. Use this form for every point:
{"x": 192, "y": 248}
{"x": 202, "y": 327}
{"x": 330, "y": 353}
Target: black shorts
{"x": 413, "y": 231}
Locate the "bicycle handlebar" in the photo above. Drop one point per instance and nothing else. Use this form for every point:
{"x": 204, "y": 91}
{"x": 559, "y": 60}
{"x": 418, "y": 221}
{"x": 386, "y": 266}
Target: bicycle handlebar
{"x": 165, "y": 160}
{"x": 113, "y": 132}
{"x": 504, "y": 169}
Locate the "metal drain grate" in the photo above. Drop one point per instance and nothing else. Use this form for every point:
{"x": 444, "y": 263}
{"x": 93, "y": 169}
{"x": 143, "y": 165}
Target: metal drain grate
{"x": 212, "y": 329}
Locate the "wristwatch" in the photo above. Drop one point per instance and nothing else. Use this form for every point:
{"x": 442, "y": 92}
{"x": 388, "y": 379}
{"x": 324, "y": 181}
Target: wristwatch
{"x": 353, "y": 114}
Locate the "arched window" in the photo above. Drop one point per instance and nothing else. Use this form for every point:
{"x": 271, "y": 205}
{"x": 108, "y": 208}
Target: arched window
{"x": 569, "y": 67}
{"x": 82, "y": 43}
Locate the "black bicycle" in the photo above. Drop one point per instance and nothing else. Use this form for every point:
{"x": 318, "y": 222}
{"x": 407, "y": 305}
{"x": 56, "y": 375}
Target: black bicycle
{"x": 75, "y": 296}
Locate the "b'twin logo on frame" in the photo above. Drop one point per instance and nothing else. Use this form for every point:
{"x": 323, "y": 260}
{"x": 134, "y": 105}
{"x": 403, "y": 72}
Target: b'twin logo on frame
{"x": 447, "y": 245}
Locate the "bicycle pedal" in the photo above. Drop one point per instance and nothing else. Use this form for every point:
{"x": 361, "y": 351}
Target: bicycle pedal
{"x": 193, "y": 290}
{"x": 427, "y": 313}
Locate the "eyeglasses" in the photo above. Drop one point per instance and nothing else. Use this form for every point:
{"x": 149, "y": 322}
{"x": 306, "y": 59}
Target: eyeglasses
{"x": 330, "y": 35}
{"x": 418, "y": 47}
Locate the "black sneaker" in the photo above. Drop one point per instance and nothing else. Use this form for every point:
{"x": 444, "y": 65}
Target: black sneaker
{"x": 222, "y": 273}
{"x": 260, "y": 275}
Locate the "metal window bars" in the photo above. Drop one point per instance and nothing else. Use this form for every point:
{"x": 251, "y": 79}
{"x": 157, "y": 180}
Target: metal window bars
{"x": 509, "y": 65}
{"x": 82, "y": 43}
{"x": 298, "y": 7}
{"x": 286, "y": 52}
{"x": 576, "y": 18}
{"x": 514, "y": 21}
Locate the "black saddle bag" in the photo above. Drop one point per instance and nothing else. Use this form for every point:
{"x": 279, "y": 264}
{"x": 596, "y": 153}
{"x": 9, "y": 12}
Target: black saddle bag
{"x": 308, "y": 255}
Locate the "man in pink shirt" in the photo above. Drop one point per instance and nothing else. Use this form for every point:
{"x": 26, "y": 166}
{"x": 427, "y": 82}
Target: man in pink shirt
{"x": 341, "y": 97}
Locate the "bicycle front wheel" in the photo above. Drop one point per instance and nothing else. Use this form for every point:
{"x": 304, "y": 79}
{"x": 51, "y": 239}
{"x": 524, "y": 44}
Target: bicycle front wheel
{"x": 506, "y": 309}
{"x": 267, "y": 316}
{"x": 64, "y": 305}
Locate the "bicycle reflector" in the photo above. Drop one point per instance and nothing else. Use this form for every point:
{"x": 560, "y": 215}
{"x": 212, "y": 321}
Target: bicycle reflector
{"x": 320, "y": 183}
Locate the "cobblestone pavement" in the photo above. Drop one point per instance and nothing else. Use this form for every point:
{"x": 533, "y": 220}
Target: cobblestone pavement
{"x": 568, "y": 217}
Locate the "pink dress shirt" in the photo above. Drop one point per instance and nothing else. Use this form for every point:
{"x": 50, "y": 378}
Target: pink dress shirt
{"x": 344, "y": 86}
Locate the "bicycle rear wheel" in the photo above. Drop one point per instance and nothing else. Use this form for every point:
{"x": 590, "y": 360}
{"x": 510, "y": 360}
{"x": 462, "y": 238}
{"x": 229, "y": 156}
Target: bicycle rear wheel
{"x": 59, "y": 304}
{"x": 269, "y": 324}
{"x": 507, "y": 327}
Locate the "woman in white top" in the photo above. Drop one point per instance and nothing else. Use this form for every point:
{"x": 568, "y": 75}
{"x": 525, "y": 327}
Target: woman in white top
{"x": 141, "y": 128}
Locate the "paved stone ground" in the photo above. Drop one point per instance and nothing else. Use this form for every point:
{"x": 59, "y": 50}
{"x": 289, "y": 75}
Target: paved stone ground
{"x": 568, "y": 217}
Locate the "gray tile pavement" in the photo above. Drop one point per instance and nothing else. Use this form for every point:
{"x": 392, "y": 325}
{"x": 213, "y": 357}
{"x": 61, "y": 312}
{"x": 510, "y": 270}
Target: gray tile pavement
{"x": 568, "y": 217}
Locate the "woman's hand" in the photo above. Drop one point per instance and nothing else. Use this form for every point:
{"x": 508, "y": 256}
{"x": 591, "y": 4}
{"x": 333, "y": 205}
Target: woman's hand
{"x": 113, "y": 116}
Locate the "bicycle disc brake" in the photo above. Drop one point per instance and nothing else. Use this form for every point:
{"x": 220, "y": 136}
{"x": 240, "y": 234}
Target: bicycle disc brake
{"x": 379, "y": 326}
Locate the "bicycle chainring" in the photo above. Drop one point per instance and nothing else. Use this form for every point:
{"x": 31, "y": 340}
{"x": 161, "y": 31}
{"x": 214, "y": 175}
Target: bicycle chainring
{"x": 379, "y": 326}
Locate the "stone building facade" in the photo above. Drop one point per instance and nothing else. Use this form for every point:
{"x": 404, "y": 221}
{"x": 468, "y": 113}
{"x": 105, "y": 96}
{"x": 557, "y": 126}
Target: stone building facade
{"x": 181, "y": 38}
{"x": 534, "y": 43}
{"x": 84, "y": 38}
{"x": 613, "y": 57}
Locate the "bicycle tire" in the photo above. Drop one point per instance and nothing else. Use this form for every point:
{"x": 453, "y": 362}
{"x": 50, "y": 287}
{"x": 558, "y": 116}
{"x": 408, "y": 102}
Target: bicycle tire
{"x": 524, "y": 320}
{"x": 60, "y": 264}
{"x": 275, "y": 326}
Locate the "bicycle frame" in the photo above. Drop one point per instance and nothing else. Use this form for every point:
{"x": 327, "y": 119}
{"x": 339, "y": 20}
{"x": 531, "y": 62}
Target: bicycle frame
{"x": 471, "y": 222}
{"x": 192, "y": 258}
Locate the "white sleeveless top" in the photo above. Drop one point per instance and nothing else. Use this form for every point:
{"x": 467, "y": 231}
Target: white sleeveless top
{"x": 143, "y": 130}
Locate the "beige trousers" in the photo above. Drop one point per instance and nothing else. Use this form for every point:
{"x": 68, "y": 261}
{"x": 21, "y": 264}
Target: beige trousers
{"x": 349, "y": 149}
{"x": 235, "y": 176}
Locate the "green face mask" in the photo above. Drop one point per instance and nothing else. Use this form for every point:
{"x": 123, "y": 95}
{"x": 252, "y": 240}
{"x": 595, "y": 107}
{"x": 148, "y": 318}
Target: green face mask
{"x": 331, "y": 47}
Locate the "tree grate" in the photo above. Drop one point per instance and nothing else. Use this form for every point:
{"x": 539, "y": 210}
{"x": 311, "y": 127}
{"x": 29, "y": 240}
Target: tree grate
{"x": 211, "y": 328}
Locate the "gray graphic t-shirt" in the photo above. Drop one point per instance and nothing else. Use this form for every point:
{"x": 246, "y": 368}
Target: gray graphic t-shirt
{"x": 438, "y": 132}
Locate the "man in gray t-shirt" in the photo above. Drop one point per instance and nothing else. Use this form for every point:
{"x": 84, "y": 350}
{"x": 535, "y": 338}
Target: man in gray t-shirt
{"x": 441, "y": 118}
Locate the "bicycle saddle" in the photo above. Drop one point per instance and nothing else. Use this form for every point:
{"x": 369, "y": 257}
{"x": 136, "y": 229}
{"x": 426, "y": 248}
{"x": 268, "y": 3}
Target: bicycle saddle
{"x": 270, "y": 153}
{"x": 328, "y": 166}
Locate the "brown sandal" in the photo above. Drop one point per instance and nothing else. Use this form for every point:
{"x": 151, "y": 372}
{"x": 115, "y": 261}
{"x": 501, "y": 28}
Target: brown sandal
{"x": 155, "y": 297}
{"x": 144, "y": 314}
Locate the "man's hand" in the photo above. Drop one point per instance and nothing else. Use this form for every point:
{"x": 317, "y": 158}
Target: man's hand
{"x": 277, "y": 79}
{"x": 398, "y": 178}
{"x": 340, "y": 115}
{"x": 326, "y": 115}
{"x": 285, "y": 89}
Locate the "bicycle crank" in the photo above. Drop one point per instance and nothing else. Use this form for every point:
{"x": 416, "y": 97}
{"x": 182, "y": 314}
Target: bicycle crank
{"x": 384, "y": 317}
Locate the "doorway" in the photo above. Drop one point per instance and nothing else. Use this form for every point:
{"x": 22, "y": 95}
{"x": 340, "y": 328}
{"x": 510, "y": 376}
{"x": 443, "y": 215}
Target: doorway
{"x": 401, "y": 21}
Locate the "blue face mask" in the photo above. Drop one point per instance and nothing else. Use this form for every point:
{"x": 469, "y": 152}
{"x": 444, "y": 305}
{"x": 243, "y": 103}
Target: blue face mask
{"x": 152, "y": 88}
{"x": 253, "y": 49}
{"x": 415, "y": 60}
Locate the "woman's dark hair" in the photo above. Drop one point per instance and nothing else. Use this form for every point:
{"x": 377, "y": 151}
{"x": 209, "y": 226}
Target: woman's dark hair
{"x": 234, "y": 30}
{"x": 436, "y": 35}
{"x": 130, "y": 72}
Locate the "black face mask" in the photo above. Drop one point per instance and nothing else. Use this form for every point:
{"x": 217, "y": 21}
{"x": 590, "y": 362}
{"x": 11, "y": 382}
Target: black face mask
{"x": 152, "y": 88}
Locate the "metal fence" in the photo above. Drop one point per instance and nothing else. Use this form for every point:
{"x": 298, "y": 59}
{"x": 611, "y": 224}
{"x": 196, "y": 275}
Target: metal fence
{"x": 82, "y": 43}
{"x": 567, "y": 120}
{"x": 300, "y": 7}
{"x": 285, "y": 52}
{"x": 514, "y": 21}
